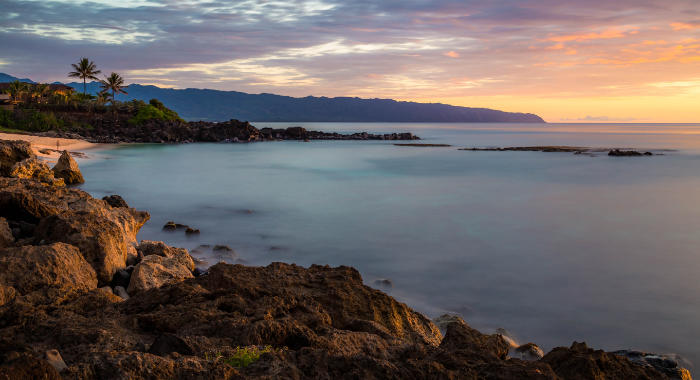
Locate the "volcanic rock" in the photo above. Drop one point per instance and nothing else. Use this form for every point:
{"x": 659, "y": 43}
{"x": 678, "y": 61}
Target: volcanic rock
{"x": 67, "y": 168}
{"x": 115, "y": 201}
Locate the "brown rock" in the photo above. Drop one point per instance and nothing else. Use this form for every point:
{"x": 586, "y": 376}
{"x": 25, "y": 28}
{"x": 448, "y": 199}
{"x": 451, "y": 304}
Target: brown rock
{"x": 35, "y": 168}
{"x": 12, "y": 152}
{"x": 461, "y": 337}
{"x": 6, "y": 238}
{"x": 67, "y": 168}
{"x": 100, "y": 240}
{"x": 581, "y": 362}
{"x": 158, "y": 248}
{"x": 155, "y": 271}
{"x": 46, "y": 273}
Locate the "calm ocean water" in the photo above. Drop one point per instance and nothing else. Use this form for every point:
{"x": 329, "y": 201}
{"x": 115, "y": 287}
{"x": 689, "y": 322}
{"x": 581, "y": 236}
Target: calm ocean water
{"x": 553, "y": 247}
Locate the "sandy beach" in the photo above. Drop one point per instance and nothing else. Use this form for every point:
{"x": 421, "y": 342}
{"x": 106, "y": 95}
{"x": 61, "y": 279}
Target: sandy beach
{"x": 51, "y": 146}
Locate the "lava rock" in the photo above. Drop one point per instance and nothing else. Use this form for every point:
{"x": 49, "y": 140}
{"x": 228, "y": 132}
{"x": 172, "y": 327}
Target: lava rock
{"x": 115, "y": 201}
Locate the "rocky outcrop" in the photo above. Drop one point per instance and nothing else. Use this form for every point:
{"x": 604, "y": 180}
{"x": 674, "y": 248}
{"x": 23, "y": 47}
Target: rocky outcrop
{"x": 46, "y": 273}
{"x": 115, "y": 201}
{"x": 628, "y": 153}
{"x": 155, "y": 271}
{"x": 12, "y": 152}
{"x": 581, "y": 362}
{"x": 104, "y": 235}
{"x": 67, "y": 169}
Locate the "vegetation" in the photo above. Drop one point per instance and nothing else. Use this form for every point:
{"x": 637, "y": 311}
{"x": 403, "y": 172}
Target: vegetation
{"x": 84, "y": 69}
{"x": 42, "y": 106}
{"x": 113, "y": 83}
{"x": 241, "y": 357}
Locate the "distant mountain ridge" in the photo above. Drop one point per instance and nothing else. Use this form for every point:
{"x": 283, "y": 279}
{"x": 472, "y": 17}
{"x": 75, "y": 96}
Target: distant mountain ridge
{"x": 216, "y": 105}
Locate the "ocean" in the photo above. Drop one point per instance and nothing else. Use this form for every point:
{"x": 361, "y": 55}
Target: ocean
{"x": 552, "y": 247}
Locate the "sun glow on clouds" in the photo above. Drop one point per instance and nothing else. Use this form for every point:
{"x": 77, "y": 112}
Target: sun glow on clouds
{"x": 626, "y": 60}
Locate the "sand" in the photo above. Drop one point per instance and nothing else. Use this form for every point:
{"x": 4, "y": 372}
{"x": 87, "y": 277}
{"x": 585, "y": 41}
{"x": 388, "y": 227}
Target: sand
{"x": 56, "y": 145}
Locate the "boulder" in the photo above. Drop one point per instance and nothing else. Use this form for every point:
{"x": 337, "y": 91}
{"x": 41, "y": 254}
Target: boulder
{"x": 527, "y": 351}
{"x": 115, "y": 201}
{"x": 67, "y": 169}
{"x": 12, "y": 152}
{"x": 155, "y": 271}
{"x": 581, "y": 362}
{"x": 46, "y": 273}
{"x": 6, "y": 237}
{"x": 158, "y": 248}
{"x": 460, "y": 337}
{"x": 54, "y": 358}
{"x": 100, "y": 240}
{"x": 34, "y": 168}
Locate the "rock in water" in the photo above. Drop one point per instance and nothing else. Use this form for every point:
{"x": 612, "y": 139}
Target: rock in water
{"x": 528, "y": 351}
{"x": 115, "y": 201}
{"x": 67, "y": 168}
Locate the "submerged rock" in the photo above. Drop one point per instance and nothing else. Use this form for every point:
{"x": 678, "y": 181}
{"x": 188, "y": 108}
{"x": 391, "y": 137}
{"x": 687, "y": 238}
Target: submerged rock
{"x": 67, "y": 168}
{"x": 628, "y": 153}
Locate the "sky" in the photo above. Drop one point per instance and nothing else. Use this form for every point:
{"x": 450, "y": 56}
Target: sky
{"x": 567, "y": 61}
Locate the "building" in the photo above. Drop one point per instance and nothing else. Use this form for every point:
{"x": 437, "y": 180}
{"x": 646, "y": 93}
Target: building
{"x": 6, "y": 102}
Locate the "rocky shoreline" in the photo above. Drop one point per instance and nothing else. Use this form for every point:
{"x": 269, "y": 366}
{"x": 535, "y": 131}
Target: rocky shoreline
{"x": 112, "y": 130}
{"x": 81, "y": 298}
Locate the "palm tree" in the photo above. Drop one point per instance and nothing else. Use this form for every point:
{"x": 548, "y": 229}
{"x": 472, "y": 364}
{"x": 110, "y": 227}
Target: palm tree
{"x": 43, "y": 90}
{"x": 17, "y": 89}
{"x": 85, "y": 69}
{"x": 114, "y": 83}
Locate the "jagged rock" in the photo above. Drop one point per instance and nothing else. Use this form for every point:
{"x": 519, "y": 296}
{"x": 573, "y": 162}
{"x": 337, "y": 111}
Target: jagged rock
{"x": 19, "y": 362}
{"x": 100, "y": 240}
{"x": 6, "y": 236}
{"x": 34, "y": 168}
{"x": 54, "y": 358}
{"x": 461, "y": 337}
{"x": 155, "y": 271}
{"x": 46, "y": 273}
{"x": 527, "y": 351}
{"x": 67, "y": 168}
{"x": 581, "y": 362}
{"x": 7, "y": 294}
{"x": 667, "y": 364}
{"x": 103, "y": 234}
{"x": 12, "y": 152}
{"x": 158, "y": 248}
{"x": 115, "y": 201}
{"x": 168, "y": 343}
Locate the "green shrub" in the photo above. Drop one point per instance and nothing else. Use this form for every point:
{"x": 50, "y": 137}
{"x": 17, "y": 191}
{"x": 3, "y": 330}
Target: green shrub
{"x": 241, "y": 357}
{"x": 7, "y": 120}
{"x": 154, "y": 110}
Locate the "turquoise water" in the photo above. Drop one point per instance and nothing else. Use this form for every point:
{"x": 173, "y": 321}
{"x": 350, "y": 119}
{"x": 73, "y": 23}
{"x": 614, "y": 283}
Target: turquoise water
{"x": 553, "y": 247}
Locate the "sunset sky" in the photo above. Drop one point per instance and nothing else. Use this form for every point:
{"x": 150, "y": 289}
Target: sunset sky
{"x": 567, "y": 61}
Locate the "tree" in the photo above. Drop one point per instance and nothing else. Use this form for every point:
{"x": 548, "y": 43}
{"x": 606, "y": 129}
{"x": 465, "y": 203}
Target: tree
{"x": 84, "y": 69}
{"x": 42, "y": 91}
{"x": 113, "y": 83}
{"x": 17, "y": 89}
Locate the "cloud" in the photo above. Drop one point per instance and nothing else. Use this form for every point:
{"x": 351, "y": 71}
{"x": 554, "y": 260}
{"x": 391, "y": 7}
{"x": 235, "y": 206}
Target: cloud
{"x": 526, "y": 48}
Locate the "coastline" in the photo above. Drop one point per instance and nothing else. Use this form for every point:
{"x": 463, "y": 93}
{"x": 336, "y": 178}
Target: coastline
{"x": 53, "y": 146}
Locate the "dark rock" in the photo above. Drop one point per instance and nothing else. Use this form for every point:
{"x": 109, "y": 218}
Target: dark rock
{"x": 527, "y": 351}
{"x": 669, "y": 365}
{"x": 191, "y": 231}
{"x": 166, "y": 344}
{"x": 115, "y": 201}
{"x": 624, "y": 153}
{"x": 383, "y": 282}
{"x": 199, "y": 272}
{"x": 581, "y": 362}
{"x": 121, "y": 278}
{"x": 222, "y": 248}
{"x": 6, "y": 235}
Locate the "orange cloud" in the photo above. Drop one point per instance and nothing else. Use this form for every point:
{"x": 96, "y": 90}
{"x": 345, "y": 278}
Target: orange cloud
{"x": 608, "y": 34}
{"x": 684, "y": 26}
{"x": 452, "y": 54}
